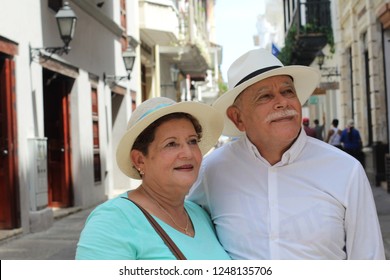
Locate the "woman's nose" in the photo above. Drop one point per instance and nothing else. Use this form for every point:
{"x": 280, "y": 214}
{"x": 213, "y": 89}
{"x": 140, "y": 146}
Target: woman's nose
{"x": 186, "y": 150}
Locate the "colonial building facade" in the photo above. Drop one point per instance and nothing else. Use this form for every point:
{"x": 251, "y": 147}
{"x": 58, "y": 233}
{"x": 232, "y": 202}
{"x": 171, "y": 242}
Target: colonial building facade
{"x": 353, "y": 38}
{"x": 364, "y": 64}
{"x": 63, "y": 110}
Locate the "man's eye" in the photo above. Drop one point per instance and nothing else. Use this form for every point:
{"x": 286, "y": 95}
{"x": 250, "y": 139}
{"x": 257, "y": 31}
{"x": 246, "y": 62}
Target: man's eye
{"x": 264, "y": 97}
{"x": 289, "y": 93}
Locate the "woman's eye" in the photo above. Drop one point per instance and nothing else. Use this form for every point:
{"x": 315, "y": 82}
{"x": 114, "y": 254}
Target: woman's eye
{"x": 171, "y": 144}
{"x": 193, "y": 141}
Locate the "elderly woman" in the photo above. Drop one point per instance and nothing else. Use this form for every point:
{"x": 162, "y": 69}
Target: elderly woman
{"x": 163, "y": 147}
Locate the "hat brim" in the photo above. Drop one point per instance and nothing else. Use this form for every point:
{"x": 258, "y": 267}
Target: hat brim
{"x": 210, "y": 120}
{"x": 305, "y": 79}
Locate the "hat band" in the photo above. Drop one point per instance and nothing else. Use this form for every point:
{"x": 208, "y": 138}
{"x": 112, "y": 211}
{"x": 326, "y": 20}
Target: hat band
{"x": 154, "y": 109}
{"x": 255, "y": 73}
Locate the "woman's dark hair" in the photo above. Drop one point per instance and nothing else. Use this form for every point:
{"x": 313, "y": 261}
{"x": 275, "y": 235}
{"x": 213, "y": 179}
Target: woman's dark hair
{"x": 147, "y": 136}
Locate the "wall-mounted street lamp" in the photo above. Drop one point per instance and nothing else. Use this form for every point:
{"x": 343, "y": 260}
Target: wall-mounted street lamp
{"x": 128, "y": 58}
{"x": 66, "y": 21}
{"x": 174, "y": 72}
{"x": 174, "y": 75}
{"x": 326, "y": 71}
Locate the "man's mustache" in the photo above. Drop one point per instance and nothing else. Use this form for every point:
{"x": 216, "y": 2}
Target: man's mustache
{"x": 281, "y": 114}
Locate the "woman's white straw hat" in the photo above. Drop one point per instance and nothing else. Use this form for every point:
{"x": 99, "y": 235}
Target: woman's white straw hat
{"x": 257, "y": 65}
{"x": 151, "y": 110}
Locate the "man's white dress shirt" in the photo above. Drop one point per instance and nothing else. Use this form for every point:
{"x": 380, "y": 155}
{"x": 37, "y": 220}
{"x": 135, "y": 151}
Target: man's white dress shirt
{"x": 316, "y": 203}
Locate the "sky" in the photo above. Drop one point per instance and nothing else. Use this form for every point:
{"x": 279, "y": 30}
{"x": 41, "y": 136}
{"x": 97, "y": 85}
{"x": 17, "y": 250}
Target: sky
{"x": 235, "y": 22}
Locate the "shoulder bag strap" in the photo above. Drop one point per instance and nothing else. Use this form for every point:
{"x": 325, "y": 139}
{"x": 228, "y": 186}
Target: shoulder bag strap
{"x": 164, "y": 236}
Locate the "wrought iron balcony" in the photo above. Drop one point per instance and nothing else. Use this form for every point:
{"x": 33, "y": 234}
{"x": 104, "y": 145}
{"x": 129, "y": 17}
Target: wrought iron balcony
{"x": 182, "y": 35}
{"x": 307, "y": 28}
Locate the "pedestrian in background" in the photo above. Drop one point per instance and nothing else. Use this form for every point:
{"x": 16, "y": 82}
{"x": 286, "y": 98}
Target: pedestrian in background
{"x": 163, "y": 148}
{"x": 276, "y": 193}
{"x": 306, "y": 126}
{"x": 352, "y": 142}
{"x": 334, "y": 134}
{"x": 319, "y": 129}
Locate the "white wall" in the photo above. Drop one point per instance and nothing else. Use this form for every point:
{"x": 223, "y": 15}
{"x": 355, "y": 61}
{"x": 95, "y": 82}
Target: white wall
{"x": 95, "y": 50}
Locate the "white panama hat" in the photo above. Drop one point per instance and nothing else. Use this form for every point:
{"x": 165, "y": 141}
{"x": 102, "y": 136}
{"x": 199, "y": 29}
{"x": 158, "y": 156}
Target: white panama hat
{"x": 151, "y": 110}
{"x": 257, "y": 65}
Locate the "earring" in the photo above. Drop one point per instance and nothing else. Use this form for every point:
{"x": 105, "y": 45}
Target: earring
{"x": 141, "y": 172}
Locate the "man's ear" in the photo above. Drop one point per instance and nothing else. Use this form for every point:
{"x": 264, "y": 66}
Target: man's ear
{"x": 234, "y": 114}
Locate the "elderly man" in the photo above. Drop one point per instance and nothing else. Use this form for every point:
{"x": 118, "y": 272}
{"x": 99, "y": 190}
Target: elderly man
{"x": 276, "y": 193}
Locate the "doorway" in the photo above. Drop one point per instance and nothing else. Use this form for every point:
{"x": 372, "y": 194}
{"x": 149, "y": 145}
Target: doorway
{"x": 9, "y": 187}
{"x": 56, "y": 92}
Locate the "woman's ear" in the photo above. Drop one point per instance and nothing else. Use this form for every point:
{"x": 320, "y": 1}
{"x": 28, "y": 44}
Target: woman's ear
{"x": 234, "y": 114}
{"x": 137, "y": 158}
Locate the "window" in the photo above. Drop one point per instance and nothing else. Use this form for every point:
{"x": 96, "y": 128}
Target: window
{"x": 124, "y": 41}
{"x": 96, "y": 141}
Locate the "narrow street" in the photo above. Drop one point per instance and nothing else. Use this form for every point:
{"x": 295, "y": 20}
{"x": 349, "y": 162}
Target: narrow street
{"x": 57, "y": 243}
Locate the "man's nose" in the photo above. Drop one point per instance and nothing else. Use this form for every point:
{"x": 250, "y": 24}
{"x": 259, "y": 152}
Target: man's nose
{"x": 280, "y": 101}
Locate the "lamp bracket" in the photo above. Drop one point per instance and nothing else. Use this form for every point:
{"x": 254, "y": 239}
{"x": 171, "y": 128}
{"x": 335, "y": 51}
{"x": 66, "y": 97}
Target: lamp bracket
{"x": 329, "y": 72}
{"x": 115, "y": 79}
{"x": 35, "y": 53}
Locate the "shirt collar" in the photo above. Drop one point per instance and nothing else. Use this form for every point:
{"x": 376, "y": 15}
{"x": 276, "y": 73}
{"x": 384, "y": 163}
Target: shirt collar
{"x": 253, "y": 149}
{"x": 288, "y": 157}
